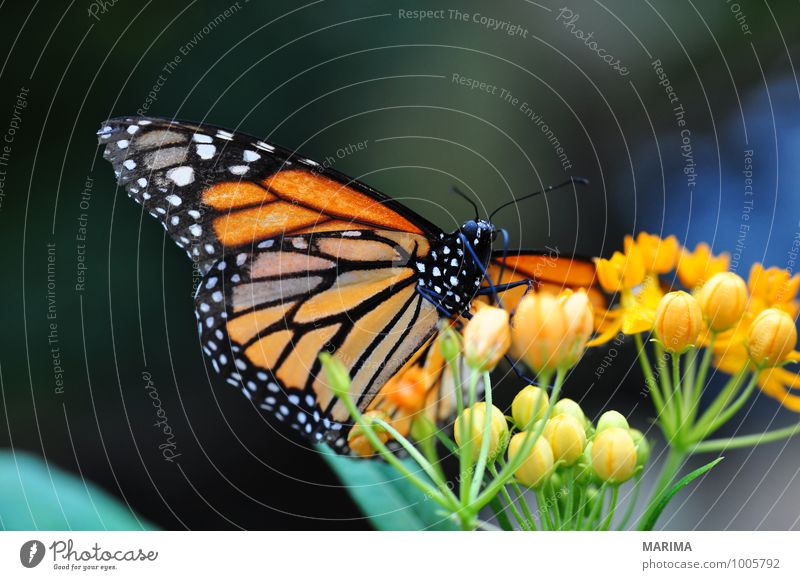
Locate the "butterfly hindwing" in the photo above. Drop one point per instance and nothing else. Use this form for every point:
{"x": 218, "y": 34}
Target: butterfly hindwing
{"x": 547, "y": 270}
{"x": 265, "y": 316}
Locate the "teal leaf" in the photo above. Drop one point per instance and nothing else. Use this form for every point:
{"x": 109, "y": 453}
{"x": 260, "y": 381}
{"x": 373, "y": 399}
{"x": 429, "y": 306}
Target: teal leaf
{"x": 35, "y": 495}
{"x": 384, "y": 496}
{"x": 651, "y": 516}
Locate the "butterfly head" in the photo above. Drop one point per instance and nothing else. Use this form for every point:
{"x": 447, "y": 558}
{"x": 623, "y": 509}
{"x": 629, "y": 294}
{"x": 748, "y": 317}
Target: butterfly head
{"x": 480, "y": 235}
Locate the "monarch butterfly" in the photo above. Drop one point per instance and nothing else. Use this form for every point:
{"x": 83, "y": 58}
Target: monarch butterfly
{"x": 298, "y": 258}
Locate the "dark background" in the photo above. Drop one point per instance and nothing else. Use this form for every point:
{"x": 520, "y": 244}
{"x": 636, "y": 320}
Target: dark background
{"x": 324, "y": 75}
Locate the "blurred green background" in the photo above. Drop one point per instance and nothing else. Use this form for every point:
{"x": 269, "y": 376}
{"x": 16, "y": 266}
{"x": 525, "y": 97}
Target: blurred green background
{"x": 97, "y": 309}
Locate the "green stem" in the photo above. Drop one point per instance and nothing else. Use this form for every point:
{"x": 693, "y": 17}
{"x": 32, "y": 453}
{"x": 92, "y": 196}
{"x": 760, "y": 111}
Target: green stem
{"x": 428, "y": 446}
{"x": 672, "y": 465}
{"x": 677, "y": 393}
{"x": 700, "y": 381}
{"x": 556, "y": 507}
{"x": 525, "y": 509}
{"x": 663, "y": 375}
{"x": 569, "y": 482}
{"x": 599, "y": 500}
{"x": 715, "y": 445}
{"x": 477, "y": 477}
{"x": 688, "y": 380}
{"x": 520, "y": 496}
{"x": 652, "y": 386}
{"x": 544, "y": 510}
{"x": 611, "y": 508}
{"x": 731, "y": 410}
{"x": 415, "y": 455}
{"x": 715, "y": 408}
{"x": 509, "y": 501}
{"x": 443, "y": 496}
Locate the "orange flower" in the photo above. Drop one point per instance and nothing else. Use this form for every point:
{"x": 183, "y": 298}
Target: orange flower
{"x": 773, "y": 287}
{"x": 778, "y": 384}
{"x": 407, "y": 390}
{"x": 694, "y": 268}
{"x": 659, "y": 255}
{"x": 622, "y": 271}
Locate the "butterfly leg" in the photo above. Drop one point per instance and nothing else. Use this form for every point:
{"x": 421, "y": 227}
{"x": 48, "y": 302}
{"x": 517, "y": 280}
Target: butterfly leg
{"x": 468, "y": 245}
{"x": 515, "y": 366}
{"x": 503, "y": 287}
{"x": 434, "y": 298}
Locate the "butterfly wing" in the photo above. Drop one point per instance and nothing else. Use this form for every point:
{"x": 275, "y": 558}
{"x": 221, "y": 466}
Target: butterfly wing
{"x": 264, "y": 318}
{"x": 297, "y": 258}
{"x": 547, "y": 270}
{"x": 214, "y": 190}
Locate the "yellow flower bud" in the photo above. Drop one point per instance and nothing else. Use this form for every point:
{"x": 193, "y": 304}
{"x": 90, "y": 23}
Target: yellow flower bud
{"x": 772, "y": 336}
{"x": 614, "y": 455}
{"x": 580, "y": 324}
{"x": 569, "y": 407}
{"x": 537, "y": 466}
{"x": 567, "y": 437}
{"x": 529, "y": 406}
{"x": 642, "y": 447}
{"x": 487, "y": 337}
{"x": 611, "y": 419}
{"x": 449, "y": 343}
{"x": 723, "y": 300}
{"x": 474, "y": 417}
{"x": 679, "y": 321}
{"x": 538, "y": 331}
{"x": 357, "y": 439}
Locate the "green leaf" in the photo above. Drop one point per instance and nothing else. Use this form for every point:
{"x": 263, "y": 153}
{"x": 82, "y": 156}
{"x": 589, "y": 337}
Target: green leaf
{"x": 651, "y": 516}
{"x": 35, "y": 495}
{"x": 385, "y": 497}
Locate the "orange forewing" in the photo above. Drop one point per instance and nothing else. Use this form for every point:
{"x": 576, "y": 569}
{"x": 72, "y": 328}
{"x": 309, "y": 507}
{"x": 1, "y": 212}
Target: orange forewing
{"x": 295, "y": 201}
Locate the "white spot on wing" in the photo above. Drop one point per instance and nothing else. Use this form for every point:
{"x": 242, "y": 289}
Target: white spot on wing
{"x": 174, "y": 200}
{"x": 183, "y": 175}
{"x": 206, "y": 151}
{"x": 250, "y": 156}
{"x": 200, "y": 138}
{"x": 238, "y": 169}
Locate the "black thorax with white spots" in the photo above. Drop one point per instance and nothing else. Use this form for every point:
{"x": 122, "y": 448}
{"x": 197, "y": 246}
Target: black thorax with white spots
{"x": 451, "y": 274}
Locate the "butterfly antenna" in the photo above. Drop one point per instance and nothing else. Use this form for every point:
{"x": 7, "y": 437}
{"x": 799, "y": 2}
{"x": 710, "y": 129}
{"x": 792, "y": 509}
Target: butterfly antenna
{"x": 570, "y": 181}
{"x": 468, "y": 198}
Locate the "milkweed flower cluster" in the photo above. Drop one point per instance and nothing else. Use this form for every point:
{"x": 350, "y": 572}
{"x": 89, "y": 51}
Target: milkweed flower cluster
{"x": 543, "y": 464}
{"x": 701, "y": 315}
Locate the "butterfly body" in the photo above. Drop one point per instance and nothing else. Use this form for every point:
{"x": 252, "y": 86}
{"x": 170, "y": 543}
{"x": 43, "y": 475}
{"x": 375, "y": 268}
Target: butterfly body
{"x": 451, "y": 274}
{"x": 299, "y": 259}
